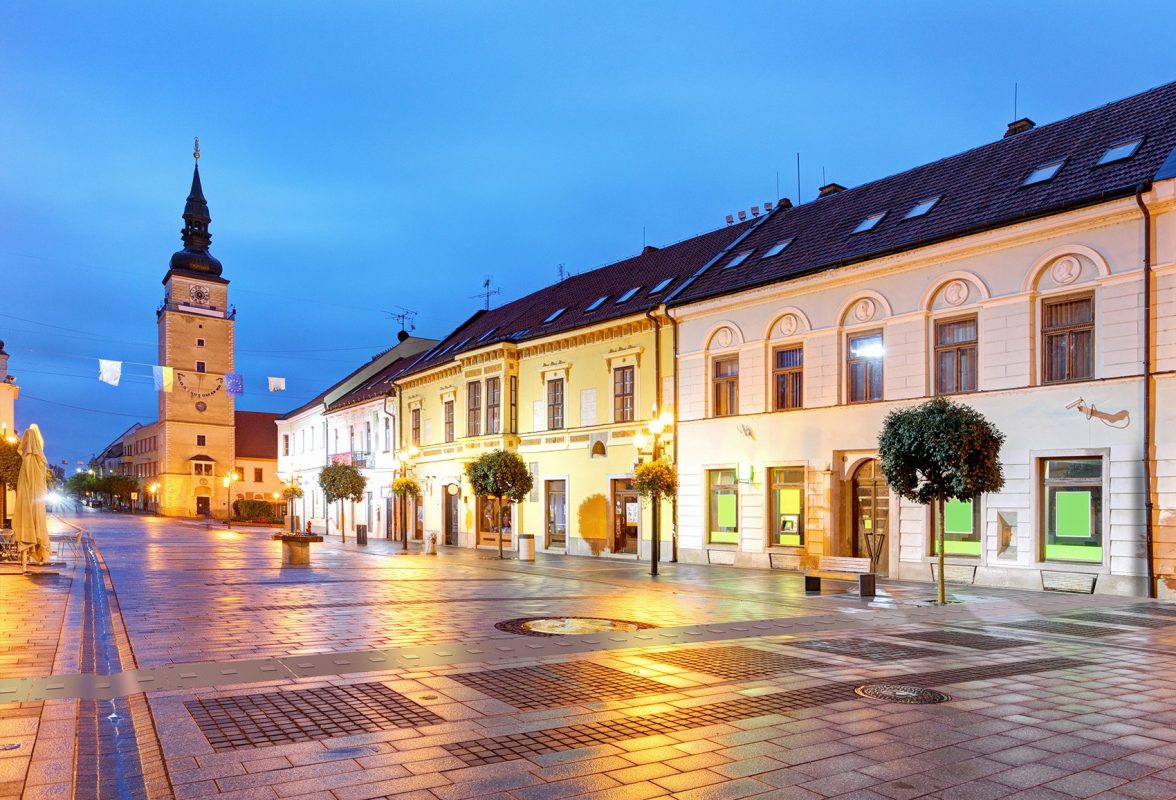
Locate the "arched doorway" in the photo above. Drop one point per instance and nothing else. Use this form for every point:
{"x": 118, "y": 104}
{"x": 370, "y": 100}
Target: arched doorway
{"x": 871, "y": 512}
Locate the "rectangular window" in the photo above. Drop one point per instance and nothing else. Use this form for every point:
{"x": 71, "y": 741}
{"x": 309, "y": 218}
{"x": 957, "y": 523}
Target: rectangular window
{"x": 726, "y": 386}
{"x": 514, "y": 404}
{"x": 416, "y": 426}
{"x": 787, "y": 506}
{"x": 864, "y": 365}
{"x": 200, "y": 366}
{"x": 961, "y": 532}
{"x": 1072, "y": 498}
{"x": 623, "y": 394}
{"x": 724, "y": 506}
{"x": 493, "y": 405}
{"x": 200, "y": 343}
{"x": 955, "y": 356}
{"x": 448, "y": 406}
{"x": 367, "y": 437}
{"x": 1067, "y": 332}
{"x": 257, "y": 475}
{"x": 202, "y": 440}
{"x": 387, "y": 434}
{"x": 788, "y": 377}
{"x": 203, "y": 468}
{"x": 474, "y": 408}
{"x": 555, "y": 404}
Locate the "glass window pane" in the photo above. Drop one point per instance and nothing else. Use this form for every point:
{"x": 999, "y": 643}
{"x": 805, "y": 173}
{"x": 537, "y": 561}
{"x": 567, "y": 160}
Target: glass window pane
{"x": 790, "y": 357}
{"x": 956, "y": 332}
{"x": 1081, "y": 354}
{"x": 945, "y": 372}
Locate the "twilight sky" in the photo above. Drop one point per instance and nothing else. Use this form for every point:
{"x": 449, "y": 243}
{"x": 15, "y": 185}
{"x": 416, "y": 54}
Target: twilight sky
{"x": 360, "y": 157}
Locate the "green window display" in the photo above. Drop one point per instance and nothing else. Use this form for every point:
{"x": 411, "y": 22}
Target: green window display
{"x": 1072, "y": 494}
{"x": 724, "y": 506}
{"x": 787, "y": 506}
{"x": 961, "y": 533}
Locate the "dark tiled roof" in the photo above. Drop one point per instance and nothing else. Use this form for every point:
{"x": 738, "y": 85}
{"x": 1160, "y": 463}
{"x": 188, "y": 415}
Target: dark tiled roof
{"x": 526, "y": 317}
{"x": 317, "y": 400}
{"x": 257, "y": 434}
{"x": 377, "y": 385}
{"x": 981, "y": 188}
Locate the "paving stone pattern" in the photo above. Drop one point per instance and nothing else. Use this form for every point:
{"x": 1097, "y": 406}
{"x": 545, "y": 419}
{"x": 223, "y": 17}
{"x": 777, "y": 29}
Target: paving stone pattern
{"x": 256, "y": 720}
{"x": 1065, "y": 628}
{"x": 867, "y": 648}
{"x": 555, "y": 685}
{"x": 733, "y": 663}
{"x": 973, "y": 641}
{"x": 1121, "y": 619}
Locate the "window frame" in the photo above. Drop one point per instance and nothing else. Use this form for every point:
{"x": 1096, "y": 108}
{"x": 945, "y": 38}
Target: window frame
{"x": 718, "y": 382}
{"x": 202, "y": 367}
{"x": 414, "y": 415}
{"x": 779, "y": 372}
{"x": 447, "y": 421}
{"x": 202, "y": 440}
{"x": 474, "y": 408}
{"x": 556, "y": 390}
{"x": 774, "y": 516}
{"x": 623, "y": 412}
{"x": 937, "y": 348}
{"x": 1068, "y": 331}
{"x": 712, "y": 507}
{"x": 1101, "y": 518}
{"x": 850, "y": 360}
{"x": 977, "y": 532}
{"x": 493, "y": 405}
{"x": 259, "y": 475}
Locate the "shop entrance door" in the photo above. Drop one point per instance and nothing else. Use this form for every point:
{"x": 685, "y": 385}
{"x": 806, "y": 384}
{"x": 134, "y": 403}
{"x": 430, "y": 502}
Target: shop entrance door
{"x": 452, "y": 515}
{"x": 557, "y": 513}
{"x": 626, "y": 516}
{"x": 871, "y": 513}
{"x": 203, "y": 508}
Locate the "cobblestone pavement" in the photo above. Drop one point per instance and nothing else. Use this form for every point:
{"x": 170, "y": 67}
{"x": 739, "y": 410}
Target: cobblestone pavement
{"x": 375, "y": 674}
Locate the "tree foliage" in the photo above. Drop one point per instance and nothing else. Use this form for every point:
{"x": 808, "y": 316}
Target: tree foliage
{"x": 9, "y": 463}
{"x": 940, "y": 449}
{"x": 655, "y": 478}
{"x": 253, "y": 510}
{"x": 79, "y": 483}
{"x": 341, "y": 482}
{"x": 406, "y": 487}
{"x": 502, "y": 474}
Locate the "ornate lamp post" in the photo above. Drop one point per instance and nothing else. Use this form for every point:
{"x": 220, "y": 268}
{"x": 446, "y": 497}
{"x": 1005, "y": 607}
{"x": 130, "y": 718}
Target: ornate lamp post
{"x": 228, "y": 481}
{"x": 402, "y": 467}
{"x": 659, "y": 426}
{"x": 154, "y": 489}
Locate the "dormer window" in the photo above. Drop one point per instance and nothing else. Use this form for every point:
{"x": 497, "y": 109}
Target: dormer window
{"x": 869, "y": 223}
{"x": 778, "y": 248}
{"x": 1044, "y": 173}
{"x": 738, "y": 259}
{"x": 923, "y": 207}
{"x": 1120, "y": 152}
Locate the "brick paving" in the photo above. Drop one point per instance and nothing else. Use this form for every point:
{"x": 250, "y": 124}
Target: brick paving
{"x": 376, "y": 675}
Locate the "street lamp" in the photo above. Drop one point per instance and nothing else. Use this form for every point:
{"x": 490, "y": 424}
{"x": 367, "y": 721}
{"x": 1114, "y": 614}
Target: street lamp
{"x": 658, "y": 426}
{"x": 154, "y": 489}
{"x": 402, "y": 466}
{"x": 228, "y": 481}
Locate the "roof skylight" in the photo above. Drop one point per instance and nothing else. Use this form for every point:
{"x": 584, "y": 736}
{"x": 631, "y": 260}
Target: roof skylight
{"x": 487, "y": 334}
{"x": 1044, "y": 173}
{"x": 869, "y": 223}
{"x": 462, "y": 343}
{"x": 518, "y": 334}
{"x": 1120, "y": 152}
{"x": 923, "y": 207}
{"x": 738, "y": 259}
{"x": 597, "y": 303}
{"x": 661, "y": 286}
{"x": 554, "y": 315}
{"x": 778, "y": 248}
{"x": 627, "y": 295}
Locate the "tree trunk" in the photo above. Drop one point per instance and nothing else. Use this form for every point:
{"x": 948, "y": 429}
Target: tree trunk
{"x": 942, "y": 589}
{"x": 498, "y": 521}
{"x": 343, "y": 522}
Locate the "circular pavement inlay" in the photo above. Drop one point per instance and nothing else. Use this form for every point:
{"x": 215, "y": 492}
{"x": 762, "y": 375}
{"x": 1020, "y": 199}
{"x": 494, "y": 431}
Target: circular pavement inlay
{"x": 563, "y": 626}
{"x": 897, "y": 693}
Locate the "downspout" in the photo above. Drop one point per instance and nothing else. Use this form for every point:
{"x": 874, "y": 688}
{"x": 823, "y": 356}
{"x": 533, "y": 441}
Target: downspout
{"x": 674, "y": 323}
{"x": 657, "y": 393}
{"x": 1148, "y": 421}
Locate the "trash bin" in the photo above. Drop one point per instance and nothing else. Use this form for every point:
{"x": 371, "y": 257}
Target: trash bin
{"x": 429, "y": 547}
{"x": 361, "y": 534}
{"x": 526, "y": 547}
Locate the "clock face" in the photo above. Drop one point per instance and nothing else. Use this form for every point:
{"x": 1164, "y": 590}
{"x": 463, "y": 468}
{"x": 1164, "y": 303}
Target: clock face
{"x": 199, "y": 294}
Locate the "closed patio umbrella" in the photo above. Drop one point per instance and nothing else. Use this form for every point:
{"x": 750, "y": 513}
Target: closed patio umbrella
{"x": 28, "y": 519}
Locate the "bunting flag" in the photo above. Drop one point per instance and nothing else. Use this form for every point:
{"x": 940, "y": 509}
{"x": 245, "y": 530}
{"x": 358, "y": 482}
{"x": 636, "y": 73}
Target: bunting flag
{"x": 277, "y": 384}
{"x": 235, "y": 383}
{"x": 109, "y": 371}
{"x": 164, "y": 378}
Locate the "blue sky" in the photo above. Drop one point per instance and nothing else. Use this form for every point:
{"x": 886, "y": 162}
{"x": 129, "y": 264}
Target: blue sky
{"x": 359, "y": 157}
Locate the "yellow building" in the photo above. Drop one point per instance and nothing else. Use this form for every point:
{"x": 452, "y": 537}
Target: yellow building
{"x": 569, "y": 377}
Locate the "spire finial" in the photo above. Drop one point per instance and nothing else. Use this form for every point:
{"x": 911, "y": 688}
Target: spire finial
{"x": 196, "y": 152}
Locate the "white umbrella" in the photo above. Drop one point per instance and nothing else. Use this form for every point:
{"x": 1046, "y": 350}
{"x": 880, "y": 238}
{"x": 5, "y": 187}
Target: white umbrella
{"x": 29, "y": 521}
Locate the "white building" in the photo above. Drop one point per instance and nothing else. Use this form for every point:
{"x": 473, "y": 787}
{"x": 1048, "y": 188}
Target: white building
{"x": 352, "y": 422}
{"x": 1012, "y": 277}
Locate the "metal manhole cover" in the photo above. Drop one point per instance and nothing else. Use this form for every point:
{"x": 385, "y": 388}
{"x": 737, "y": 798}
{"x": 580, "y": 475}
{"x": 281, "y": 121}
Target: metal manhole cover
{"x": 897, "y": 693}
{"x": 565, "y": 626}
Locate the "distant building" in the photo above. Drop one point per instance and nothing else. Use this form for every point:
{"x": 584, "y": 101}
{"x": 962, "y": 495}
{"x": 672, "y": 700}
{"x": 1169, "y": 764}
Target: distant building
{"x": 9, "y": 392}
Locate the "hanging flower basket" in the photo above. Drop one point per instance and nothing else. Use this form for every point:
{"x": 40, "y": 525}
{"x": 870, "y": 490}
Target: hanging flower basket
{"x": 291, "y": 492}
{"x": 405, "y": 487}
{"x": 655, "y": 478}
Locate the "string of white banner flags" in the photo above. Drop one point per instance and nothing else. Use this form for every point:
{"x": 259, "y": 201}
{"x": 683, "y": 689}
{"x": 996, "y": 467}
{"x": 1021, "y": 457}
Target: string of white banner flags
{"x": 166, "y": 379}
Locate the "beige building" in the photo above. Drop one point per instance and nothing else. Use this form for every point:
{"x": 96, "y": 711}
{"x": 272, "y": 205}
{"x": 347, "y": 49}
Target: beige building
{"x": 9, "y": 392}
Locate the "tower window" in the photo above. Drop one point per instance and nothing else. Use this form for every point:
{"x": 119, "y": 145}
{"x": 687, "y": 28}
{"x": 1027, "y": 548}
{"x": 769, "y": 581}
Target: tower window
{"x": 201, "y": 440}
{"x": 200, "y": 366}
{"x": 200, "y": 343}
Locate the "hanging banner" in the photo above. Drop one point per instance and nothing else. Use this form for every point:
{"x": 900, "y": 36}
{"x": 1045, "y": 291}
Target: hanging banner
{"x": 164, "y": 378}
{"x": 277, "y": 384}
{"x": 109, "y": 371}
{"x": 235, "y": 384}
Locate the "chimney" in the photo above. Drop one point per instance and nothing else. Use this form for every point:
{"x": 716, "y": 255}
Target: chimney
{"x": 730, "y": 219}
{"x": 1023, "y": 124}
{"x": 742, "y": 216}
{"x": 755, "y": 211}
{"x": 830, "y": 188}
{"x": 649, "y": 249}
{"x": 784, "y": 203}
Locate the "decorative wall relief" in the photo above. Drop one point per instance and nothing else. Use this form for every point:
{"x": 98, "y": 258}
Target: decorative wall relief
{"x": 1065, "y": 270}
{"x": 723, "y": 337}
{"x": 788, "y": 325}
{"x": 864, "y": 309}
{"x": 955, "y": 293}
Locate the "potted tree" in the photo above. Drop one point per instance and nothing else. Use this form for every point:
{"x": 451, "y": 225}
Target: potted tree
{"x": 502, "y": 475}
{"x": 342, "y": 482}
{"x": 940, "y": 451}
{"x": 290, "y": 493}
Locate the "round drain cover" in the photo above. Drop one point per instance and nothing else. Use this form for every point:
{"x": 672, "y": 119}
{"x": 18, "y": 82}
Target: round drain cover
{"x": 564, "y": 626}
{"x": 897, "y": 693}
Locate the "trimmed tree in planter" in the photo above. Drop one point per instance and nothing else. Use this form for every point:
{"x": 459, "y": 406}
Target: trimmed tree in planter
{"x": 502, "y": 475}
{"x": 940, "y": 451}
{"x": 290, "y": 493}
{"x": 342, "y": 482}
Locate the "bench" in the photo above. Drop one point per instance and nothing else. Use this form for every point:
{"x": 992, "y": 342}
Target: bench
{"x": 838, "y": 568}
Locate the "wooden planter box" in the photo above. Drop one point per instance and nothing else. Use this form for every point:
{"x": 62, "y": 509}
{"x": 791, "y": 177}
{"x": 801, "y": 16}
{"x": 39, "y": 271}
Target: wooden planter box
{"x": 295, "y": 548}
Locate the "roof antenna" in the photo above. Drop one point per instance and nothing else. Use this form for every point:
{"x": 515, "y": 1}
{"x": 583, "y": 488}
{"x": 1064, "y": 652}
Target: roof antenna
{"x": 1015, "y": 87}
{"x": 777, "y": 184}
{"x": 642, "y": 237}
{"x": 405, "y": 317}
{"x": 798, "y": 177}
{"x": 823, "y": 181}
{"x": 487, "y": 292}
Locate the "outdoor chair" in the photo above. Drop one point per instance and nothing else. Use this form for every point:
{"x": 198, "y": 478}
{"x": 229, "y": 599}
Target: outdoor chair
{"x": 73, "y": 540}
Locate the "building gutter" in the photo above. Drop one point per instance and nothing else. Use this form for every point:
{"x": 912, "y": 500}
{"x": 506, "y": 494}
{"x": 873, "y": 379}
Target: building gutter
{"x": 1148, "y": 411}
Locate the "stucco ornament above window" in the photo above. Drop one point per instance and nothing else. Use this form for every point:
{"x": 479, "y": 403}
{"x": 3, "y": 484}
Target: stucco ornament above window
{"x": 955, "y": 293}
{"x": 864, "y": 309}
{"x": 788, "y": 325}
{"x": 723, "y": 337}
{"x": 1065, "y": 270}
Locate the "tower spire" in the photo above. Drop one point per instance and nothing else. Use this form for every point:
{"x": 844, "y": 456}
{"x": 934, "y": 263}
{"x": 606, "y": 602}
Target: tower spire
{"x": 197, "y": 239}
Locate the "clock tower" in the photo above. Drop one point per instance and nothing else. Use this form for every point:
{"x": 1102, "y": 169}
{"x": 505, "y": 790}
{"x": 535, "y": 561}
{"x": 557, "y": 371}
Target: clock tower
{"x": 196, "y": 418}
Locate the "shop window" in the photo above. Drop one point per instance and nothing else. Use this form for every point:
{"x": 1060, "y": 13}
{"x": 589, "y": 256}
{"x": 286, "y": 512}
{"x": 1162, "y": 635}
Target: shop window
{"x": 961, "y": 532}
{"x": 1071, "y": 493}
{"x": 955, "y": 356}
{"x": 787, "y": 506}
{"x": 724, "y": 506}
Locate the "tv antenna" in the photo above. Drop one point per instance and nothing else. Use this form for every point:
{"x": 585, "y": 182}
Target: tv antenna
{"x": 405, "y": 317}
{"x": 487, "y": 292}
